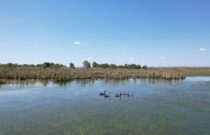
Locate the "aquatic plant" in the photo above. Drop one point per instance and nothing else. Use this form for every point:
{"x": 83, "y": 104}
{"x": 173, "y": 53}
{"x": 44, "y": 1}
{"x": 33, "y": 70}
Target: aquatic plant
{"x": 61, "y": 73}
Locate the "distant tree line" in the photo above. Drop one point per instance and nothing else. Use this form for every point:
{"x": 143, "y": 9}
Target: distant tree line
{"x": 50, "y": 65}
{"x": 86, "y": 64}
{"x": 44, "y": 65}
{"x": 106, "y": 65}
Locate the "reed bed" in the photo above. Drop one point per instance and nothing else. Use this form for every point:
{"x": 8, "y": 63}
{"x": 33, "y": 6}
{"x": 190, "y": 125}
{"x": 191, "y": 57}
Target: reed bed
{"x": 63, "y": 74}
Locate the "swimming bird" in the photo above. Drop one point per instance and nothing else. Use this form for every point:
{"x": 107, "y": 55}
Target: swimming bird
{"x": 118, "y": 95}
{"x": 106, "y": 96}
{"x": 103, "y": 93}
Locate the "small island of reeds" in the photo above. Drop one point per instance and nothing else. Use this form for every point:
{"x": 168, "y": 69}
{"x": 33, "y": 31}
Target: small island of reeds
{"x": 51, "y": 71}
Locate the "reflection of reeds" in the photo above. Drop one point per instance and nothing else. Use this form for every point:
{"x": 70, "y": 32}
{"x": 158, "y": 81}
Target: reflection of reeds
{"x": 63, "y": 74}
{"x": 2, "y": 81}
{"x": 27, "y": 82}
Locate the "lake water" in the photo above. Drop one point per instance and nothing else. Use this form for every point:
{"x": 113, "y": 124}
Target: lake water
{"x": 75, "y": 108}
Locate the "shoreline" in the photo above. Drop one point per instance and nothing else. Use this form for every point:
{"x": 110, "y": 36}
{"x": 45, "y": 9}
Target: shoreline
{"x": 62, "y": 74}
{"x": 65, "y": 74}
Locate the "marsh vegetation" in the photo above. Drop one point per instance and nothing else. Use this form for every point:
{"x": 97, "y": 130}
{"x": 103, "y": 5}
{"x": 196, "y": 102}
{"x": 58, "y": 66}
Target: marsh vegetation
{"x": 59, "y": 72}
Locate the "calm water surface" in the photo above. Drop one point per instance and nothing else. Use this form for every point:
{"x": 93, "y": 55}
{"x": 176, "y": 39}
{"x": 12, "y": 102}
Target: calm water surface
{"x": 75, "y": 108}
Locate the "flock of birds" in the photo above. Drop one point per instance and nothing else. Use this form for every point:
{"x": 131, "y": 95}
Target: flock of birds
{"x": 120, "y": 94}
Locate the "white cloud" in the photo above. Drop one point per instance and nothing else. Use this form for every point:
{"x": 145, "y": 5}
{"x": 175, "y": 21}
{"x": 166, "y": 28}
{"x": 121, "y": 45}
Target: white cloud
{"x": 76, "y": 43}
{"x": 162, "y": 57}
{"x": 79, "y": 44}
{"x": 202, "y": 49}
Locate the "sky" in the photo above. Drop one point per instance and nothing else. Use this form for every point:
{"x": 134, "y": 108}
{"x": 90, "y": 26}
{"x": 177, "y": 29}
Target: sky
{"x": 151, "y": 32}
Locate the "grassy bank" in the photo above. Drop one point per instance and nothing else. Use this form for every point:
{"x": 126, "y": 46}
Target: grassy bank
{"x": 187, "y": 71}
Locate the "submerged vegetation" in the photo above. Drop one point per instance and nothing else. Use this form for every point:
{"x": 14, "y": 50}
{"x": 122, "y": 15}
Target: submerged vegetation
{"x": 51, "y": 71}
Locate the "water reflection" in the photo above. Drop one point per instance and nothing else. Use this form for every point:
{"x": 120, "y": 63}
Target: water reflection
{"x": 20, "y": 83}
{"x": 157, "y": 81}
{"x": 83, "y": 82}
{"x": 80, "y": 82}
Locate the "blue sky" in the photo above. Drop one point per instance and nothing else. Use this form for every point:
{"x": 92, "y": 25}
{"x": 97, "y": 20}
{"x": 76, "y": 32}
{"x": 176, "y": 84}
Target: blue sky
{"x": 152, "y": 32}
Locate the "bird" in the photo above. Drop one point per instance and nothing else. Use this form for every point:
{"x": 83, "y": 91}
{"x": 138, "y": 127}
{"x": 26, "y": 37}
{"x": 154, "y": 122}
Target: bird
{"x": 103, "y": 93}
{"x": 106, "y": 96}
{"x": 118, "y": 95}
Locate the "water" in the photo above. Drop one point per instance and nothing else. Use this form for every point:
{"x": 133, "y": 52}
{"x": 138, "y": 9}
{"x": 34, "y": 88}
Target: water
{"x": 75, "y": 108}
